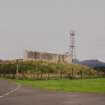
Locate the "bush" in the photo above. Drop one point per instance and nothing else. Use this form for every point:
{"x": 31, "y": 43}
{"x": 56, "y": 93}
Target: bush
{"x": 45, "y": 70}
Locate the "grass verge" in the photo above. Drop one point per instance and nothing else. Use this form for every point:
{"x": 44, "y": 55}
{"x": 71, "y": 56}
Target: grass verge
{"x": 84, "y": 85}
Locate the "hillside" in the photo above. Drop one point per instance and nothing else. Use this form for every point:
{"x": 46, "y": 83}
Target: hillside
{"x": 93, "y": 63}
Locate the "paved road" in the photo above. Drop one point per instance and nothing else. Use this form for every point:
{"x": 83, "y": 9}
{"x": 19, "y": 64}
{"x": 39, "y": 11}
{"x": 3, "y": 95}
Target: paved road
{"x": 30, "y": 96}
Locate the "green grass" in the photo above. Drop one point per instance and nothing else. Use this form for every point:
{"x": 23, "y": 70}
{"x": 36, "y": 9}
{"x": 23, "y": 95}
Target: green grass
{"x": 84, "y": 85}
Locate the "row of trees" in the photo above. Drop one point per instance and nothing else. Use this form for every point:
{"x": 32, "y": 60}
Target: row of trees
{"x": 45, "y": 70}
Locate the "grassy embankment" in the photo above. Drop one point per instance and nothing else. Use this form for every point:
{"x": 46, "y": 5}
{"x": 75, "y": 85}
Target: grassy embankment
{"x": 84, "y": 85}
{"x": 40, "y": 70}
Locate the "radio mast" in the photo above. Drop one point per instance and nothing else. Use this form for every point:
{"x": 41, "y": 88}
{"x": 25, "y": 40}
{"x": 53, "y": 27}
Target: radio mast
{"x": 72, "y": 46}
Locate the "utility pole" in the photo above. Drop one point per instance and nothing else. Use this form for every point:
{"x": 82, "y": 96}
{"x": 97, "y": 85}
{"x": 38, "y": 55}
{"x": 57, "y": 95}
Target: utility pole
{"x": 17, "y": 68}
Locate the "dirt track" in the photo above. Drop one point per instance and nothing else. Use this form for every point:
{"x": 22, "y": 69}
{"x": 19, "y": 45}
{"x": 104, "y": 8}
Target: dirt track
{"x": 30, "y": 96}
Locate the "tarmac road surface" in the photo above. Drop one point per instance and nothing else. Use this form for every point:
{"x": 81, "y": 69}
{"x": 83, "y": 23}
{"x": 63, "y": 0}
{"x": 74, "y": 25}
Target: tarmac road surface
{"x": 29, "y": 96}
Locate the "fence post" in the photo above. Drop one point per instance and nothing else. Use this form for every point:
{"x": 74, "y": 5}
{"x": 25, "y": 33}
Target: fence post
{"x": 72, "y": 73}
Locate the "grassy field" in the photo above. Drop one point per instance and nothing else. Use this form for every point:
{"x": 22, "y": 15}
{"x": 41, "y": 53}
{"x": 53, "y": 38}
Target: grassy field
{"x": 84, "y": 85}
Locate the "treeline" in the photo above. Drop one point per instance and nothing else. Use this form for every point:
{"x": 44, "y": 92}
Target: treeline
{"x": 44, "y": 70}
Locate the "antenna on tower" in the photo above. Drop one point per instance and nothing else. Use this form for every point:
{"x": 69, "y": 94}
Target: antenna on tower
{"x": 72, "y": 46}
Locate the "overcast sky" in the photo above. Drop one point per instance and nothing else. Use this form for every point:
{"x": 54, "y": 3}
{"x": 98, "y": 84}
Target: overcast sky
{"x": 44, "y": 25}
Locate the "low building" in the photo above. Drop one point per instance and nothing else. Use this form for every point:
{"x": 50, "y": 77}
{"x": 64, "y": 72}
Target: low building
{"x": 48, "y": 57}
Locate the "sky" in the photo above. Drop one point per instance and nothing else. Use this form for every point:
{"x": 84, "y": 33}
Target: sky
{"x": 44, "y": 25}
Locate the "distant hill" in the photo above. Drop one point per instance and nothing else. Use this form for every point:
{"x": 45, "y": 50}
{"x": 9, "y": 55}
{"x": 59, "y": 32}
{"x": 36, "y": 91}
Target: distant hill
{"x": 92, "y": 63}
